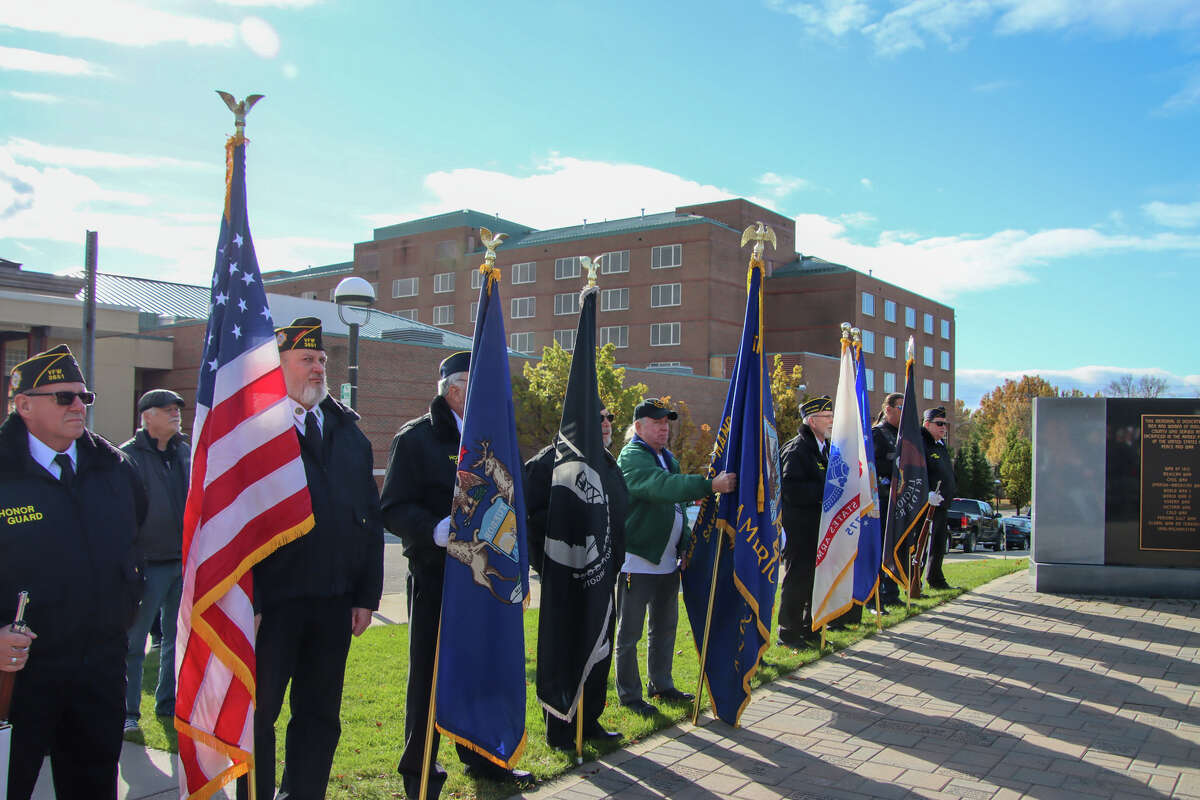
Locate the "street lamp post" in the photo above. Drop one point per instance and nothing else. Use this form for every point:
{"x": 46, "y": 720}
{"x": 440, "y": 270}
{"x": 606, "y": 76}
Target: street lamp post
{"x": 354, "y": 292}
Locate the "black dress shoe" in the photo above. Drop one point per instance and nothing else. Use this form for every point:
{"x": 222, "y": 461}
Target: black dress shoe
{"x": 597, "y": 731}
{"x": 673, "y": 695}
{"x": 641, "y": 708}
{"x": 942, "y": 587}
{"x": 493, "y": 772}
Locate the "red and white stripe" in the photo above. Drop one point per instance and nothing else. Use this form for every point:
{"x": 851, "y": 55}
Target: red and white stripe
{"x": 248, "y": 496}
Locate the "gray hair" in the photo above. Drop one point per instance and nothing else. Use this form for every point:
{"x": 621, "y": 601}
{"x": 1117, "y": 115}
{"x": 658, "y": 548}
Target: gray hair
{"x": 454, "y": 379}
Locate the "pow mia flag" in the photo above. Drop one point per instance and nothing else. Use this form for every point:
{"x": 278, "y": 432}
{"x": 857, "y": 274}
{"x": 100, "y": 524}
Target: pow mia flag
{"x": 577, "y": 601}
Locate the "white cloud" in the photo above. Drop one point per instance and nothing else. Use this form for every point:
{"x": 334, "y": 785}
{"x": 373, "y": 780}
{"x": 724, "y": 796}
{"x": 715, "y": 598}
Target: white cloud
{"x": 910, "y": 25}
{"x": 781, "y": 185}
{"x": 866, "y": 183}
{"x": 14, "y": 58}
{"x": 117, "y": 22}
{"x": 80, "y": 158}
{"x": 272, "y": 3}
{"x": 972, "y": 384}
{"x": 857, "y": 219}
{"x": 260, "y": 37}
{"x": 290, "y": 71}
{"x": 830, "y": 16}
{"x": 1174, "y": 215}
{"x": 298, "y": 252}
{"x": 36, "y": 97}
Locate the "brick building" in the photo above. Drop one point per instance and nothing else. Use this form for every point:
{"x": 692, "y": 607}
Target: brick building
{"x": 672, "y": 292}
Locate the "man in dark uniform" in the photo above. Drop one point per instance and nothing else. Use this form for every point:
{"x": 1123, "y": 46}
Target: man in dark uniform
{"x": 163, "y": 461}
{"x": 885, "y": 434}
{"x": 71, "y": 504}
{"x": 538, "y": 473}
{"x": 941, "y": 469}
{"x": 417, "y": 492}
{"x": 313, "y": 593}
{"x": 803, "y": 461}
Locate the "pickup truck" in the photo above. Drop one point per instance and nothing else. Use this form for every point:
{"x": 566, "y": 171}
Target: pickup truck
{"x": 971, "y": 523}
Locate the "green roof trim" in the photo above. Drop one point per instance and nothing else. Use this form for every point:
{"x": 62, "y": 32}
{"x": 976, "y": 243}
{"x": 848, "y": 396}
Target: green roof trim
{"x": 464, "y": 218}
{"x": 311, "y": 272}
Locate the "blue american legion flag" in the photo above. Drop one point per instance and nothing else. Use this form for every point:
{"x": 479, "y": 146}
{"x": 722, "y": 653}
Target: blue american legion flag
{"x": 870, "y": 536}
{"x": 481, "y": 651}
{"x": 248, "y": 496}
{"x": 743, "y": 526}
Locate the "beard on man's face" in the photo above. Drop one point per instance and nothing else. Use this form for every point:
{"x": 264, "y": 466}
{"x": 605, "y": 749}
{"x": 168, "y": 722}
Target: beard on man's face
{"x": 311, "y": 394}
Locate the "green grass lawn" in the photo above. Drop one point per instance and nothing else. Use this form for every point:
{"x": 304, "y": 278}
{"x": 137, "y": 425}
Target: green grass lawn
{"x": 377, "y": 672}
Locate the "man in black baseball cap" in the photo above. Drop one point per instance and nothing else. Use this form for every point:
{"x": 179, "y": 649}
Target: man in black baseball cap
{"x": 941, "y": 473}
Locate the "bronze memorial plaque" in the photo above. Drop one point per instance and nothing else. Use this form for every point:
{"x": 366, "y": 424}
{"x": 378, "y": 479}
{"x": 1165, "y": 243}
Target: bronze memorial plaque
{"x": 1170, "y": 491}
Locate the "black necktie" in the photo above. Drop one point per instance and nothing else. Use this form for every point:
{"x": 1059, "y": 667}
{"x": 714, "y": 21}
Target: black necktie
{"x": 312, "y": 434}
{"x": 67, "y": 475}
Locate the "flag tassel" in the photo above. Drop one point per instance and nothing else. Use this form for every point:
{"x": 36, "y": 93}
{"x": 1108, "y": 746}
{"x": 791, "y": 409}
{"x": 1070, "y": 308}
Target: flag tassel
{"x": 430, "y": 719}
{"x": 712, "y": 593}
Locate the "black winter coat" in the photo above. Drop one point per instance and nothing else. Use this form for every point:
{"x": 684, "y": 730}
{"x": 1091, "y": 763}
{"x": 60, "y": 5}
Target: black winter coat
{"x": 71, "y": 549}
{"x": 160, "y": 537}
{"x": 343, "y": 553}
{"x": 885, "y": 436}
{"x": 802, "y": 474}
{"x": 941, "y": 468}
{"x": 539, "y": 471}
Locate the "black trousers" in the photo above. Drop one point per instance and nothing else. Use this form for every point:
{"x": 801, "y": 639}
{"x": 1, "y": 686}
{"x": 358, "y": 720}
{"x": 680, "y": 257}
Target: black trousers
{"x": 889, "y": 592}
{"x": 424, "y": 614}
{"x": 795, "y": 594}
{"x": 76, "y": 717}
{"x": 940, "y": 536}
{"x": 595, "y": 697}
{"x": 303, "y": 641}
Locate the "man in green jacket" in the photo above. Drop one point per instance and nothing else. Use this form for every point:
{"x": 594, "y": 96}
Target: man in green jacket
{"x": 656, "y": 532}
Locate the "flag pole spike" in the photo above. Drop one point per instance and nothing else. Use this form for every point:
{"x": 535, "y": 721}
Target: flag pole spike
{"x": 712, "y": 593}
{"x": 429, "y": 722}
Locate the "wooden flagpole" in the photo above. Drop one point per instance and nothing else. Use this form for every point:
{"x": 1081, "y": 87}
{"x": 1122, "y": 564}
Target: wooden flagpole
{"x": 712, "y": 593}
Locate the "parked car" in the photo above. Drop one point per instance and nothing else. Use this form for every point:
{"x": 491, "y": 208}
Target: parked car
{"x": 1017, "y": 532}
{"x": 972, "y": 523}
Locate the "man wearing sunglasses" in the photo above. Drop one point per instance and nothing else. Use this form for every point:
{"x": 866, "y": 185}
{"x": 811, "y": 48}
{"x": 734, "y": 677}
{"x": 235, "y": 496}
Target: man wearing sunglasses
{"x": 941, "y": 469}
{"x": 70, "y": 507}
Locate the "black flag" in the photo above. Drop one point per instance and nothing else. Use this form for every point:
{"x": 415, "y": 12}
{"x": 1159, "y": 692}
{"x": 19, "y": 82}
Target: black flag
{"x": 577, "y": 597}
{"x": 910, "y": 487}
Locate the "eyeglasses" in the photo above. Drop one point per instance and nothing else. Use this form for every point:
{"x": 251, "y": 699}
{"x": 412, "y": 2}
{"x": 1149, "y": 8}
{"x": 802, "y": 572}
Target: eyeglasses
{"x": 66, "y": 398}
{"x": 608, "y": 417}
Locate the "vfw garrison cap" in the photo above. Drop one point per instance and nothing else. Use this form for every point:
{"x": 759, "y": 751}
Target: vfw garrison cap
{"x": 816, "y": 405}
{"x": 459, "y": 362}
{"x": 56, "y": 365}
{"x": 303, "y": 334}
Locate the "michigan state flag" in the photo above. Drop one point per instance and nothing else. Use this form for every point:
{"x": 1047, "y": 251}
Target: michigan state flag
{"x": 870, "y": 535}
{"x": 910, "y": 486}
{"x": 481, "y": 651}
{"x": 577, "y": 603}
{"x": 742, "y": 527}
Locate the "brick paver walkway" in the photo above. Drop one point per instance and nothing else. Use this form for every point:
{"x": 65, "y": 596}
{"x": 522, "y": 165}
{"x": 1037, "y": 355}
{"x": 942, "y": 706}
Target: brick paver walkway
{"x": 1002, "y": 693}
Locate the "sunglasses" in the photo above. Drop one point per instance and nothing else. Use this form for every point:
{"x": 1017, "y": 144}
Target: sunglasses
{"x": 609, "y": 417}
{"x": 941, "y": 423}
{"x": 66, "y": 398}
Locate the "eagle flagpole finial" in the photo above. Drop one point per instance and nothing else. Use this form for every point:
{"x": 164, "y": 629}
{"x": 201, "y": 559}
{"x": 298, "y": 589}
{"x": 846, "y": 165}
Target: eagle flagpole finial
{"x": 592, "y": 265}
{"x": 491, "y": 241}
{"x": 758, "y": 234}
{"x": 240, "y": 109}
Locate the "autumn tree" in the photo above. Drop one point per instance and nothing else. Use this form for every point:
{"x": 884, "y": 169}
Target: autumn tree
{"x": 785, "y": 394}
{"x": 1016, "y": 472}
{"x": 1007, "y": 411}
{"x": 1129, "y": 386}
{"x": 691, "y": 444}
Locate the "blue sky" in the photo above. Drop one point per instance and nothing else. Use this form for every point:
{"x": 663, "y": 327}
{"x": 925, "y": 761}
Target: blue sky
{"x": 1033, "y": 163}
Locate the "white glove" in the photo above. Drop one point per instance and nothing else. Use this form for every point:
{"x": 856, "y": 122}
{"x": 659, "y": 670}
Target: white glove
{"x": 935, "y": 500}
{"x": 441, "y": 533}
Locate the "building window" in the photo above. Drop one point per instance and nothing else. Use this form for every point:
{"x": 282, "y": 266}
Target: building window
{"x": 523, "y": 273}
{"x": 889, "y": 311}
{"x": 663, "y": 334}
{"x": 567, "y": 303}
{"x": 443, "y": 315}
{"x": 565, "y": 339}
{"x": 665, "y": 294}
{"x": 868, "y": 304}
{"x": 945, "y": 328}
{"x": 446, "y": 249}
{"x": 929, "y": 323}
{"x": 616, "y": 334}
{"x": 476, "y": 279}
{"x": 889, "y": 346}
{"x": 443, "y": 282}
{"x": 910, "y": 317}
{"x": 566, "y": 268}
{"x": 889, "y": 382}
{"x": 308, "y": 295}
{"x": 523, "y": 308}
{"x": 868, "y": 341}
{"x": 870, "y": 373}
{"x": 614, "y": 262}
{"x": 614, "y": 299}
{"x": 521, "y": 342}
{"x": 474, "y": 311}
{"x": 927, "y": 352}
{"x": 945, "y": 356}
{"x": 945, "y": 392}
{"x": 666, "y": 256}
{"x": 406, "y": 287}
{"x": 927, "y": 388}
{"x": 407, "y": 313}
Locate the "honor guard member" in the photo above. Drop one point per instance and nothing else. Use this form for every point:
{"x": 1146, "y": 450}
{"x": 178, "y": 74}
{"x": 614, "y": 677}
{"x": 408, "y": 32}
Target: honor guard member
{"x": 70, "y": 507}
{"x": 312, "y": 593}
{"x": 656, "y": 531}
{"x": 941, "y": 469}
{"x": 803, "y": 461}
{"x": 417, "y": 493}
{"x": 163, "y": 461}
{"x": 539, "y": 471}
{"x": 885, "y": 436}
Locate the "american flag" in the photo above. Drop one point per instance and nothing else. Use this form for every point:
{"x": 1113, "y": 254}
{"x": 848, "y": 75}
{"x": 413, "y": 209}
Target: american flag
{"x": 248, "y": 496}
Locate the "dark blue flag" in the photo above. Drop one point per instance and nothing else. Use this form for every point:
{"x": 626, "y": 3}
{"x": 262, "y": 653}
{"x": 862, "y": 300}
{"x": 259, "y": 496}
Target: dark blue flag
{"x": 910, "y": 485}
{"x": 481, "y": 656}
{"x": 870, "y": 535}
{"x": 743, "y": 526}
